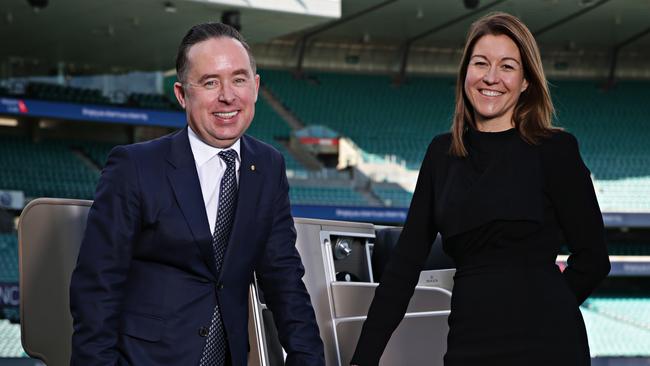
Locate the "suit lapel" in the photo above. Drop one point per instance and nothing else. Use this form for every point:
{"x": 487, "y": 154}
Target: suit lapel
{"x": 187, "y": 189}
{"x": 250, "y": 183}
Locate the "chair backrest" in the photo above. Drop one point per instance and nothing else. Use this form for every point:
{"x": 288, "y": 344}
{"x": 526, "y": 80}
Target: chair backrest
{"x": 49, "y": 237}
{"x": 386, "y": 241}
{"x": 341, "y": 307}
{"x": 50, "y": 234}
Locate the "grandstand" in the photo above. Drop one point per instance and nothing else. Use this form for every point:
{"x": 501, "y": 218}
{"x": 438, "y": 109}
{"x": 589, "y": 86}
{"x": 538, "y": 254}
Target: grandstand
{"x": 348, "y": 79}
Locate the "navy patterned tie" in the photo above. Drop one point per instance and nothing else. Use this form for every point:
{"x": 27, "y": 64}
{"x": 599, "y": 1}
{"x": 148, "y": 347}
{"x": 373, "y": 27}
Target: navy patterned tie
{"x": 214, "y": 353}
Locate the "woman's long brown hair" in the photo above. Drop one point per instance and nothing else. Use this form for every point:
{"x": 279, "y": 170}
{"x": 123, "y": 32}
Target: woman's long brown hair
{"x": 534, "y": 110}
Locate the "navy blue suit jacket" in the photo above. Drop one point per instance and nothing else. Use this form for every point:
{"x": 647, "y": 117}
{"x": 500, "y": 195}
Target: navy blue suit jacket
{"x": 146, "y": 282}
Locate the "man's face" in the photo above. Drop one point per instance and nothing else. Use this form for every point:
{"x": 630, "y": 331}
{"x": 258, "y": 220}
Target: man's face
{"x": 219, "y": 91}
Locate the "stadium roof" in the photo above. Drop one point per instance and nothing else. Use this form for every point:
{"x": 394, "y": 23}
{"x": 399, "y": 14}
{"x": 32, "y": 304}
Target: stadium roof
{"x": 99, "y": 36}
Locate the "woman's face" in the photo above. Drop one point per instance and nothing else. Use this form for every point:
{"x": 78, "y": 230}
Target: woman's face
{"x": 494, "y": 81}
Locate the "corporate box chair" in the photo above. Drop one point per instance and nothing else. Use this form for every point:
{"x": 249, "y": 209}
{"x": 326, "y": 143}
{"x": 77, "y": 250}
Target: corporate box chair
{"x": 339, "y": 275}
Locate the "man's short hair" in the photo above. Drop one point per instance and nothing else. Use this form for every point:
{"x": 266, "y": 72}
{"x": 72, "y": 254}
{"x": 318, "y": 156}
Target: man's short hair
{"x": 202, "y": 32}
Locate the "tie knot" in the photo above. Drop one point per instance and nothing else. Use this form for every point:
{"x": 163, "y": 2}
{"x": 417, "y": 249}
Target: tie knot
{"x": 228, "y": 156}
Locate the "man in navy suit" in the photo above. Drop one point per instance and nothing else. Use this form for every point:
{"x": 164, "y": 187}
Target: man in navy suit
{"x": 147, "y": 288}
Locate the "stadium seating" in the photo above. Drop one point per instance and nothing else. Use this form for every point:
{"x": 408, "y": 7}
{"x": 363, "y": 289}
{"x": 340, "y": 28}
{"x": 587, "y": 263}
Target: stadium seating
{"x": 8, "y": 258}
{"x": 45, "y": 169}
{"x": 269, "y": 127}
{"x": 151, "y": 101}
{"x": 385, "y": 120}
{"x": 380, "y": 118}
{"x": 393, "y": 196}
{"x": 328, "y": 196}
{"x": 618, "y": 248}
{"x": 618, "y": 326}
{"x": 10, "y": 346}
{"x": 62, "y": 93}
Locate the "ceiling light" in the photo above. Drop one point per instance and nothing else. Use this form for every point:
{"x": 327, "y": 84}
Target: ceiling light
{"x": 170, "y": 7}
{"x": 37, "y": 4}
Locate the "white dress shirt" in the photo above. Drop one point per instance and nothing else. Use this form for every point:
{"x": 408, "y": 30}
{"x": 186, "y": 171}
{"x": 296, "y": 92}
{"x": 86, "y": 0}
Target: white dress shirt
{"x": 210, "y": 168}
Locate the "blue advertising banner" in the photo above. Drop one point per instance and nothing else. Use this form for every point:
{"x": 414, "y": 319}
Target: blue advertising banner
{"x": 92, "y": 113}
{"x": 383, "y": 215}
{"x": 8, "y": 294}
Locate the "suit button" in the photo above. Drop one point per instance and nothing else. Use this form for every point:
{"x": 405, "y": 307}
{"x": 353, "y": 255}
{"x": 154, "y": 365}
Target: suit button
{"x": 219, "y": 286}
{"x": 203, "y": 331}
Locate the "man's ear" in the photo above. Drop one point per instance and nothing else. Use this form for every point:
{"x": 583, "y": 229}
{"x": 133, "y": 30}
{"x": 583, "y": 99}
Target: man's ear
{"x": 180, "y": 93}
{"x": 257, "y": 85}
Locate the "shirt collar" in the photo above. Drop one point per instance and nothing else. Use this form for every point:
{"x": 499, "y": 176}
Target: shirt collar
{"x": 203, "y": 152}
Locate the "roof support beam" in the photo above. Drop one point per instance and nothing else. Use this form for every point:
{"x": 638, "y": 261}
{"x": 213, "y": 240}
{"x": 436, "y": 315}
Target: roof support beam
{"x": 568, "y": 18}
{"x": 302, "y": 43}
{"x": 615, "y": 51}
{"x": 406, "y": 46}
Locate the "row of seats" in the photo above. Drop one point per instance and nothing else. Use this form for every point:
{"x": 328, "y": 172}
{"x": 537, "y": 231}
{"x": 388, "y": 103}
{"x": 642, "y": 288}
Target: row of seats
{"x": 8, "y": 257}
{"x": 328, "y": 196}
{"x": 45, "y": 169}
{"x": 618, "y": 326}
{"x": 628, "y": 194}
{"x": 62, "y": 93}
{"x": 151, "y": 101}
{"x": 10, "y": 346}
{"x": 621, "y": 248}
{"x": 393, "y": 196}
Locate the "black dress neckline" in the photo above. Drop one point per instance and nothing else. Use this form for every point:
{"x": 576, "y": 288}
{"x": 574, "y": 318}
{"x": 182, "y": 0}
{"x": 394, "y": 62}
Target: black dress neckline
{"x": 495, "y": 134}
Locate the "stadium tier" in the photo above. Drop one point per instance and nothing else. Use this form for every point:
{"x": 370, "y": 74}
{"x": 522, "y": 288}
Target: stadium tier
{"x": 269, "y": 127}
{"x": 151, "y": 101}
{"x": 8, "y": 258}
{"x": 393, "y": 196}
{"x": 327, "y": 196}
{"x": 380, "y": 118}
{"x": 622, "y": 248}
{"x": 44, "y": 169}
{"x": 10, "y": 340}
{"x": 49, "y": 91}
{"x": 385, "y": 120}
{"x": 618, "y": 326}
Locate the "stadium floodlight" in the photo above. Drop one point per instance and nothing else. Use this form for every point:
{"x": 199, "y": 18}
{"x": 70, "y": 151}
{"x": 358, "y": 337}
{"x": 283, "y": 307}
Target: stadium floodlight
{"x": 38, "y": 4}
{"x": 232, "y": 18}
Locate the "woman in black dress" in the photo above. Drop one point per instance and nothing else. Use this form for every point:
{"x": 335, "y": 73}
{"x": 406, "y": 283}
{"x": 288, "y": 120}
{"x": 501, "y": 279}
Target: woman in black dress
{"x": 505, "y": 189}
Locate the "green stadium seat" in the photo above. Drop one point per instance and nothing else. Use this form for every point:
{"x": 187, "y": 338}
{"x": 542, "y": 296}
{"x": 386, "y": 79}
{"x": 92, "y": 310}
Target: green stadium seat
{"x": 10, "y": 346}
{"x": 618, "y": 326}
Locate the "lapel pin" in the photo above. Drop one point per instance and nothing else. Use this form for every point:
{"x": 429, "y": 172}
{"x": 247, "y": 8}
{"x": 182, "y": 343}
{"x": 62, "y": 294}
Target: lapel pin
{"x": 253, "y": 167}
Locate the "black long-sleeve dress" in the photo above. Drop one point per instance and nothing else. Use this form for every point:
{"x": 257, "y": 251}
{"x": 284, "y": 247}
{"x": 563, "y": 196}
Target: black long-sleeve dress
{"x": 503, "y": 213}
